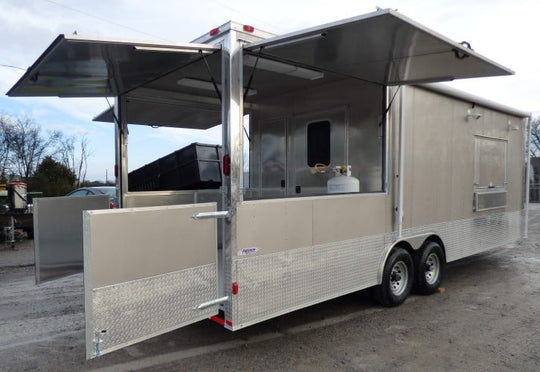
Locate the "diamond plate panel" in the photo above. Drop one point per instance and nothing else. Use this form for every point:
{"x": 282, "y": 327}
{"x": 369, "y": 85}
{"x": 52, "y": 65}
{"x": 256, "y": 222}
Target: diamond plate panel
{"x": 466, "y": 237}
{"x": 274, "y": 284}
{"x": 130, "y": 312}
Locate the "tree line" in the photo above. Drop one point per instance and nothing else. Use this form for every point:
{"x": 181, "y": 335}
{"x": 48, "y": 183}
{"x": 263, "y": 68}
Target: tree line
{"x": 535, "y": 138}
{"x": 51, "y": 162}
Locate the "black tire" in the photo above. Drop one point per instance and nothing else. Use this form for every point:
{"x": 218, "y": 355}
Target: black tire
{"x": 429, "y": 263}
{"x": 397, "y": 279}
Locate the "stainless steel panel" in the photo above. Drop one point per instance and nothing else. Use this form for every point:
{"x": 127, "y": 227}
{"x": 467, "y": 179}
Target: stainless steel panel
{"x": 357, "y": 135}
{"x": 75, "y": 66}
{"x": 301, "y": 174}
{"x": 145, "y": 270}
{"x": 159, "y": 198}
{"x": 384, "y": 47}
{"x": 58, "y": 234}
{"x": 273, "y": 152}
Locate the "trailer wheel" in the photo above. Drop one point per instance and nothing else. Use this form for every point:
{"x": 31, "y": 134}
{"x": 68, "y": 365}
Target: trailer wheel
{"x": 429, "y": 268}
{"x": 397, "y": 279}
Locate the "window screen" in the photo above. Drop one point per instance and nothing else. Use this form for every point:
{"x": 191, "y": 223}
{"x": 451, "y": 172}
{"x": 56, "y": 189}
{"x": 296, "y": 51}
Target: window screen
{"x": 318, "y": 143}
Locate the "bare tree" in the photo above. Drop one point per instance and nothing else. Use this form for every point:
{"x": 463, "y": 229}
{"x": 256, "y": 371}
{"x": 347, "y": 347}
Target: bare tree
{"x": 74, "y": 155}
{"x": 6, "y": 129}
{"x": 28, "y": 146}
{"x": 535, "y": 138}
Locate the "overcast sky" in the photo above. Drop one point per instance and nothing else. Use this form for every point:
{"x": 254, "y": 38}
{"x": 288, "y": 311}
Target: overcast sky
{"x": 504, "y": 31}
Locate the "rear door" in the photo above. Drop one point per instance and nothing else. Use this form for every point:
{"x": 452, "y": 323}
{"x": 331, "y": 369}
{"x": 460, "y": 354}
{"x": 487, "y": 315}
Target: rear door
{"x": 146, "y": 271}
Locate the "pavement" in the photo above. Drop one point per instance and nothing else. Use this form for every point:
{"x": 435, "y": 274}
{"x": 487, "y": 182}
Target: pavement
{"x": 484, "y": 318}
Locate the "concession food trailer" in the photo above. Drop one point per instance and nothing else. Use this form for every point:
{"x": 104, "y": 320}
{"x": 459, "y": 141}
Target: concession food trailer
{"x": 343, "y": 166}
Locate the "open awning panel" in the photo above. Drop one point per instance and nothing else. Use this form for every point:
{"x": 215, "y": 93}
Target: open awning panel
{"x": 74, "y": 66}
{"x": 384, "y": 47}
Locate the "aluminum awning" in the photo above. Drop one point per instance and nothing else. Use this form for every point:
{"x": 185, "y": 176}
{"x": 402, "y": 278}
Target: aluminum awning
{"x": 154, "y": 107}
{"x": 75, "y": 66}
{"x": 383, "y": 47}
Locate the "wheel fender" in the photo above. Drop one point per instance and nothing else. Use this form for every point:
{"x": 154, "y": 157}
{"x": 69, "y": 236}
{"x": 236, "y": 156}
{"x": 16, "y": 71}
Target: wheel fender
{"x": 412, "y": 241}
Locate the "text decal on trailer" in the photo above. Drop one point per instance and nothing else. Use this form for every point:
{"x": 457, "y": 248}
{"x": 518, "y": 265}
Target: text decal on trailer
{"x": 248, "y": 251}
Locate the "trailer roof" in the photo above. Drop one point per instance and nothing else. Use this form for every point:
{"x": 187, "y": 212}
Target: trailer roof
{"x": 467, "y": 97}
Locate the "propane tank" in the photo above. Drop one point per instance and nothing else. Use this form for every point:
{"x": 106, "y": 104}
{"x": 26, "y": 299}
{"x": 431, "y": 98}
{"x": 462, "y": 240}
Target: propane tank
{"x": 343, "y": 182}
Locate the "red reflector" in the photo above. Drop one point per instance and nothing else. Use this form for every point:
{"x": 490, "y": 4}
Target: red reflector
{"x": 235, "y": 288}
{"x": 249, "y": 28}
{"x": 229, "y": 323}
{"x": 116, "y": 171}
{"x": 219, "y": 320}
{"x": 226, "y": 165}
{"x": 214, "y": 31}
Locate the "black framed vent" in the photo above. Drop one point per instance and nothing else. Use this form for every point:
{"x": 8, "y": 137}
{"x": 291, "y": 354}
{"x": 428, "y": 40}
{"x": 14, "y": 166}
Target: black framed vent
{"x": 318, "y": 143}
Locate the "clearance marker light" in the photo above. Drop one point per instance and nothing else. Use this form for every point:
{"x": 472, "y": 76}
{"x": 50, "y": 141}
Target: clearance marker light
{"x": 214, "y": 31}
{"x": 249, "y": 28}
{"x": 226, "y": 165}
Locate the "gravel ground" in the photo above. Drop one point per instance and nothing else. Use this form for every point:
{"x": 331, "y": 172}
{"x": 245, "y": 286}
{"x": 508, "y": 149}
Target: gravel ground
{"x": 485, "y": 318}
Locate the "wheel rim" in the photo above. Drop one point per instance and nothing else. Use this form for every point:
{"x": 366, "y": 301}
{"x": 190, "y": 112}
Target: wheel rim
{"x": 399, "y": 277}
{"x": 432, "y": 268}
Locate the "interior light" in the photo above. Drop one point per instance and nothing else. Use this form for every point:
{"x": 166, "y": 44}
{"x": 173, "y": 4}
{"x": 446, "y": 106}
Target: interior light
{"x": 282, "y": 68}
{"x": 171, "y": 49}
{"x": 205, "y": 85}
{"x": 297, "y": 40}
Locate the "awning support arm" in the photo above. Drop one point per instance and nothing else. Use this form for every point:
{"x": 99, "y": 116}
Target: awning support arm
{"x": 211, "y": 75}
{"x": 246, "y": 90}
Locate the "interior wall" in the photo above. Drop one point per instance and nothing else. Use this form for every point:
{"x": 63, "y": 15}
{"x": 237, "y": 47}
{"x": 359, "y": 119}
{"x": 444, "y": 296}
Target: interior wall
{"x": 354, "y": 109}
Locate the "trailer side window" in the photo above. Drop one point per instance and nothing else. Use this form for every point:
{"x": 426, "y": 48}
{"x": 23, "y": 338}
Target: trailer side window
{"x": 318, "y": 143}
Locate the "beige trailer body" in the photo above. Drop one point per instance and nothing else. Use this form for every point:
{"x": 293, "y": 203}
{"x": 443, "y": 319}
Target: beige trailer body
{"x": 440, "y": 174}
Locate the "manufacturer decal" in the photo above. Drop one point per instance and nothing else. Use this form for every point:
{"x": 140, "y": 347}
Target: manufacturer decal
{"x": 248, "y": 251}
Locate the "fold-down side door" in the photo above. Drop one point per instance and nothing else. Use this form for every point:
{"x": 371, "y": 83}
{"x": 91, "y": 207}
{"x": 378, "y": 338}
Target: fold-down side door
{"x": 145, "y": 272}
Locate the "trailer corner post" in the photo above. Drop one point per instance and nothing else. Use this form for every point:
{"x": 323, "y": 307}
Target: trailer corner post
{"x": 527, "y": 146}
{"x": 232, "y": 138}
{"x": 401, "y": 162}
{"x": 121, "y": 148}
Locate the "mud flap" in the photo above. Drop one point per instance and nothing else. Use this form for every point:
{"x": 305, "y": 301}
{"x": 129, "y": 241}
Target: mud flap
{"x": 146, "y": 270}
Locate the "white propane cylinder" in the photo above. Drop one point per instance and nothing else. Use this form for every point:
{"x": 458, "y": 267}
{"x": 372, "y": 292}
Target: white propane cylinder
{"x": 342, "y": 184}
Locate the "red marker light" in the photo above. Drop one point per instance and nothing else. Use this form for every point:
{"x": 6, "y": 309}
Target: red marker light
{"x": 235, "y": 288}
{"x": 249, "y": 28}
{"x": 226, "y": 165}
{"x": 214, "y": 31}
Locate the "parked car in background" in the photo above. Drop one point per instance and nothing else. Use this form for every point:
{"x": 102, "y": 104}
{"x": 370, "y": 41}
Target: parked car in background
{"x": 97, "y": 190}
